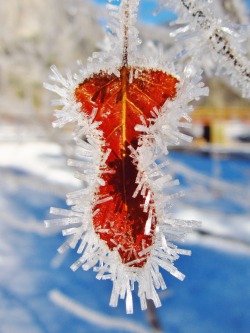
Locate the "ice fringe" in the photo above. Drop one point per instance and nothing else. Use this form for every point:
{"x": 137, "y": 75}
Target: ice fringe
{"x": 152, "y": 179}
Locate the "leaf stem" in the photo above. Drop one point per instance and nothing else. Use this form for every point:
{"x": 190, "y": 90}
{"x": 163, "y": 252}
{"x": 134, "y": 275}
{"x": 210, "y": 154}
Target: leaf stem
{"x": 126, "y": 15}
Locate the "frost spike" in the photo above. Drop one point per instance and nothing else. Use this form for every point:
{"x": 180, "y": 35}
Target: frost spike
{"x": 125, "y": 239}
{"x": 231, "y": 61}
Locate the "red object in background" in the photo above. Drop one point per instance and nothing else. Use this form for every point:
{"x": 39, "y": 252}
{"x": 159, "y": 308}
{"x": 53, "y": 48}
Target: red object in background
{"x": 121, "y": 103}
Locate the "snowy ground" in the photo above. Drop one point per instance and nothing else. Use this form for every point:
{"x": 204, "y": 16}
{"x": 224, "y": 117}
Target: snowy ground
{"x": 38, "y": 291}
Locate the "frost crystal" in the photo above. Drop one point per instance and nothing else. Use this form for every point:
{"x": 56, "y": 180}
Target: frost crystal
{"x": 205, "y": 34}
{"x": 152, "y": 181}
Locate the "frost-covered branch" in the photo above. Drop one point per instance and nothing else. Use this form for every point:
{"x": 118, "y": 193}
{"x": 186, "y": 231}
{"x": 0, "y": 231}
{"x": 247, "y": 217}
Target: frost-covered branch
{"x": 205, "y": 31}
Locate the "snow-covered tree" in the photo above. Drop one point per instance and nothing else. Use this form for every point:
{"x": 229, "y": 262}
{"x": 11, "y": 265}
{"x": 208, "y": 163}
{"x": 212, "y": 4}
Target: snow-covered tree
{"x": 34, "y": 35}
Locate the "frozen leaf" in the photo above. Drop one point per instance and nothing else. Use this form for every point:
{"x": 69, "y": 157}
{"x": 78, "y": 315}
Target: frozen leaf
{"x": 121, "y": 104}
{"x": 128, "y": 110}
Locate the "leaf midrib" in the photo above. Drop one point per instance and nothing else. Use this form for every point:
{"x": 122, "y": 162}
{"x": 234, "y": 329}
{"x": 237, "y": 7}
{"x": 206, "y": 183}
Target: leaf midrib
{"x": 124, "y": 132}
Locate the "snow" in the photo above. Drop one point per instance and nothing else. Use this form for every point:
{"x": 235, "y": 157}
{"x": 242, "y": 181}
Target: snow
{"x": 38, "y": 158}
{"x": 217, "y": 272}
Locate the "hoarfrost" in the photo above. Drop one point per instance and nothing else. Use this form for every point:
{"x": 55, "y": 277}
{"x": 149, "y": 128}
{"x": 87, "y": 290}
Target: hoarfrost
{"x": 202, "y": 32}
{"x": 154, "y": 140}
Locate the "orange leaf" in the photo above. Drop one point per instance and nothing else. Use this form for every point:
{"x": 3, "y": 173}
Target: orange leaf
{"x": 120, "y": 104}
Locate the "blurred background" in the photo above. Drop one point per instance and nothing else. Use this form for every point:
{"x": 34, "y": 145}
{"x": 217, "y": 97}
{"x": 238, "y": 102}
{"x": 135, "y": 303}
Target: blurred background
{"x": 38, "y": 291}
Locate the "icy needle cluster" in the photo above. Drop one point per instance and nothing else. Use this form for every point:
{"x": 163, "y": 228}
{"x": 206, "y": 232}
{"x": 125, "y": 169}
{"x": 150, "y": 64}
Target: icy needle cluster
{"x": 153, "y": 179}
{"x": 205, "y": 34}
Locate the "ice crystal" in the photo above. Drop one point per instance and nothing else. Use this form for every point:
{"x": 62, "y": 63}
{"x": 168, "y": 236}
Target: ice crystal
{"x": 205, "y": 34}
{"x": 122, "y": 62}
